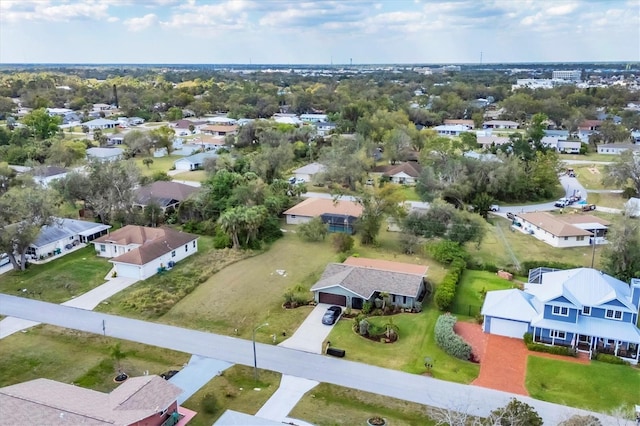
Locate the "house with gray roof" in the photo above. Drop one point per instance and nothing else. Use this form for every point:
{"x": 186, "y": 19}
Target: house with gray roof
{"x": 104, "y": 154}
{"x": 308, "y": 172}
{"x": 164, "y": 194}
{"x": 100, "y": 123}
{"x": 361, "y": 280}
{"x": 63, "y": 235}
{"x": 194, "y": 162}
{"x": 581, "y": 308}
{"x": 47, "y": 174}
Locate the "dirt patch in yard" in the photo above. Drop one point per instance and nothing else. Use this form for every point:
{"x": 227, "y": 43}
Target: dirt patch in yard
{"x": 594, "y": 170}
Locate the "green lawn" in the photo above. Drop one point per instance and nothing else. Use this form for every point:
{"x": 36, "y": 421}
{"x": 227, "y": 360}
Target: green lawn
{"x": 235, "y": 390}
{"x": 160, "y": 164}
{"x": 195, "y": 176}
{"x": 597, "y": 386}
{"x": 416, "y": 342}
{"x": 58, "y": 280}
{"x": 71, "y": 356}
{"x": 469, "y": 297}
{"x": 525, "y": 247}
{"x": 590, "y": 180}
{"x": 614, "y": 201}
{"x": 591, "y": 156}
{"x": 334, "y": 405}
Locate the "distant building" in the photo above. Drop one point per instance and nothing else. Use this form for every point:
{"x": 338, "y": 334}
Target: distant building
{"x": 572, "y": 75}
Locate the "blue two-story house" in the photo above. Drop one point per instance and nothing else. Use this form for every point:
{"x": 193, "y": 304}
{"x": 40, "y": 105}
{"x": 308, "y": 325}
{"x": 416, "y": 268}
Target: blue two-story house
{"x": 582, "y": 308}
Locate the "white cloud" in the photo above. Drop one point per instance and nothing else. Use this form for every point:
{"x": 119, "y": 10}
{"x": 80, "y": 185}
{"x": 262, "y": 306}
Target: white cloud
{"x": 141, "y": 23}
{"x": 562, "y": 9}
{"x": 44, "y": 10}
{"x": 232, "y": 14}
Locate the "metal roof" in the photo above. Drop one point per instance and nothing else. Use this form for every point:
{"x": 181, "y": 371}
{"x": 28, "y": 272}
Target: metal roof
{"x": 65, "y": 228}
{"x": 511, "y": 304}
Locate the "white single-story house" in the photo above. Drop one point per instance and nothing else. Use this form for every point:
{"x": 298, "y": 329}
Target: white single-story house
{"x": 323, "y": 128}
{"x": 617, "y": 148}
{"x": 115, "y": 139}
{"x": 100, "y": 123}
{"x": 223, "y": 120}
{"x": 140, "y": 252}
{"x": 194, "y": 162}
{"x": 63, "y": 235}
{"x": 45, "y": 175}
{"x": 359, "y": 280}
{"x": 307, "y": 172}
{"x": 451, "y": 129}
{"x": 406, "y": 173}
{"x": 567, "y": 230}
{"x": 452, "y": 121}
{"x": 561, "y": 145}
{"x": 164, "y": 194}
{"x": 500, "y": 124}
{"x": 104, "y": 154}
{"x": 487, "y": 141}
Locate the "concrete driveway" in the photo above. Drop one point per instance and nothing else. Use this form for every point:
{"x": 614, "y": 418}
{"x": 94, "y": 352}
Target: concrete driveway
{"x": 311, "y": 333}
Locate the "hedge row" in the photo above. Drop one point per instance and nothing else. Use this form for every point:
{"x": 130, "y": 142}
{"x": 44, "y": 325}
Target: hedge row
{"x": 448, "y": 340}
{"x": 446, "y": 251}
{"x": 611, "y": 359}
{"x": 538, "y": 347}
{"x": 446, "y": 291}
{"x": 528, "y": 265}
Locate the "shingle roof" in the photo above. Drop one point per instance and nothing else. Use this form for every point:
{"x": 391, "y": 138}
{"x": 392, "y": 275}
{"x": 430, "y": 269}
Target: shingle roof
{"x": 197, "y": 158}
{"x": 555, "y": 225}
{"x": 49, "y": 171}
{"x": 152, "y": 242}
{"x": 312, "y": 207}
{"x": 366, "y": 281}
{"x": 311, "y": 169}
{"x": 410, "y": 168}
{"x": 47, "y": 402}
{"x": 386, "y": 265}
{"x": 164, "y": 192}
{"x": 104, "y": 152}
{"x": 220, "y": 128}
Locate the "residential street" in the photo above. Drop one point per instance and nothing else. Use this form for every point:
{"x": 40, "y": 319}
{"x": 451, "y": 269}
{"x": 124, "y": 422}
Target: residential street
{"x": 392, "y": 383}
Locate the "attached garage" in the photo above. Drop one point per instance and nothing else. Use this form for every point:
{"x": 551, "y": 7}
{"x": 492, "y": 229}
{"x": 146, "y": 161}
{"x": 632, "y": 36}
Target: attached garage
{"x": 332, "y": 299}
{"x": 508, "y": 328}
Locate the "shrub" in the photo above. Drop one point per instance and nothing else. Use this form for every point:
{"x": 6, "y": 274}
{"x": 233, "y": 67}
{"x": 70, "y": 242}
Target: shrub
{"x": 577, "y": 420}
{"x": 417, "y": 306}
{"x": 527, "y": 265}
{"x": 515, "y": 413}
{"x": 342, "y": 242}
{"x": 446, "y": 251}
{"x": 363, "y": 327}
{"x": 611, "y": 359}
{"x": 448, "y": 340}
{"x": 376, "y": 330}
{"x": 314, "y": 230}
{"x": 209, "y": 403}
{"x": 446, "y": 291}
{"x": 366, "y": 308}
{"x": 556, "y": 350}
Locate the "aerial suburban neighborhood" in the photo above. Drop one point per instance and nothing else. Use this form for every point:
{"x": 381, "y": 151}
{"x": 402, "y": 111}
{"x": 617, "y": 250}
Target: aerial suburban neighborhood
{"x": 446, "y": 243}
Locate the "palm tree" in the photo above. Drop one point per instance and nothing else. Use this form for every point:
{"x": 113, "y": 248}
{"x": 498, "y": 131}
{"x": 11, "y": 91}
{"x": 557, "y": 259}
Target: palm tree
{"x": 253, "y": 220}
{"x": 231, "y": 223}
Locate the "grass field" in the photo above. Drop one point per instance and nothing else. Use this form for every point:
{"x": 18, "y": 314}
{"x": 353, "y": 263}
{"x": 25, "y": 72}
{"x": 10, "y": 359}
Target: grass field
{"x": 469, "y": 297}
{"x": 194, "y": 176}
{"x": 334, "y": 405}
{"x": 614, "y": 201}
{"x": 590, "y": 176}
{"x": 160, "y": 164}
{"x": 74, "y": 357}
{"x": 597, "y": 386}
{"x": 499, "y": 238}
{"x": 591, "y": 156}
{"x": 416, "y": 342}
{"x": 58, "y": 280}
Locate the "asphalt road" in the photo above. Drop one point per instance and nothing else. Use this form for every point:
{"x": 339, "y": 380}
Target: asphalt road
{"x": 410, "y": 387}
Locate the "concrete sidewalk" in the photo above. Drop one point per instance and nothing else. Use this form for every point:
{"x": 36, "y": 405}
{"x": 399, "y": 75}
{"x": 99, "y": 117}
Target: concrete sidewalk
{"x": 88, "y": 301}
{"x": 285, "y": 398}
{"x": 198, "y": 372}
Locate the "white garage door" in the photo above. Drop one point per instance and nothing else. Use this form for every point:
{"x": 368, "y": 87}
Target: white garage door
{"x": 508, "y": 328}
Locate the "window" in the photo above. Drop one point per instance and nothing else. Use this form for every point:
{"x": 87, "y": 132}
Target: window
{"x": 103, "y": 248}
{"x": 173, "y": 253}
{"x": 186, "y": 247}
{"x": 613, "y": 314}
{"x": 581, "y": 238}
{"x": 566, "y": 238}
{"x": 194, "y": 244}
{"x": 586, "y": 310}
{"x": 559, "y": 310}
{"x": 558, "y": 334}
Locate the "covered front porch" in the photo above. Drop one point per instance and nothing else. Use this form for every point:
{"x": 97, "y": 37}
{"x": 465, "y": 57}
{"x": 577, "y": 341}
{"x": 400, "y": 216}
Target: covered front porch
{"x": 591, "y": 336}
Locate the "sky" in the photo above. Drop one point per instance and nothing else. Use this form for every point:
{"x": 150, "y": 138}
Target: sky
{"x": 318, "y": 31}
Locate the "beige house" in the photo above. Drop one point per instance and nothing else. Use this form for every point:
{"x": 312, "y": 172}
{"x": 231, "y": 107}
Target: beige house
{"x": 567, "y": 230}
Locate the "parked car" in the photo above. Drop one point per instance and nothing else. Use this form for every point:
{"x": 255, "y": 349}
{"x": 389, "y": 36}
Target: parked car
{"x": 332, "y": 315}
{"x": 511, "y": 216}
{"x": 562, "y": 202}
{"x": 494, "y": 208}
{"x": 4, "y": 259}
{"x": 571, "y": 172}
{"x": 588, "y": 207}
